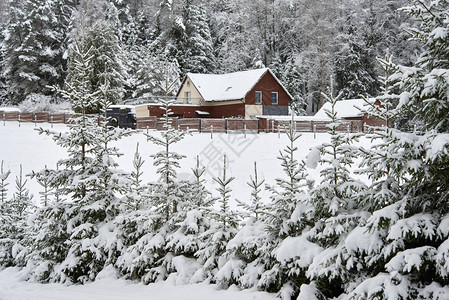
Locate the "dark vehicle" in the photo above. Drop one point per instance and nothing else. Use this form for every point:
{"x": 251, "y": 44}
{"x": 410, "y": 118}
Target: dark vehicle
{"x": 123, "y": 116}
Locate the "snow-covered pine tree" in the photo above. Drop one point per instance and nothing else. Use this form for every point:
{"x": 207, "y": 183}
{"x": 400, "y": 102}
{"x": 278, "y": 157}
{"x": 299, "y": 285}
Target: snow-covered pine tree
{"x": 3, "y": 183}
{"x": 408, "y": 259}
{"x": 18, "y": 209}
{"x": 277, "y": 267}
{"x": 91, "y": 247}
{"x": 255, "y": 208}
{"x": 336, "y": 207}
{"x": 78, "y": 88}
{"x": 192, "y": 219}
{"x": 147, "y": 257}
{"x": 3, "y": 86}
{"x": 223, "y": 227}
{"x": 5, "y": 220}
{"x": 44, "y": 181}
{"x": 242, "y": 250}
{"x": 89, "y": 181}
{"x": 107, "y": 60}
{"x": 379, "y": 162}
{"x": 34, "y": 46}
{"x": 189, "y": 37}
{"x": 136, "y": 194}
{"x": 362, "y": 247}
{"x": 167, "y": 193}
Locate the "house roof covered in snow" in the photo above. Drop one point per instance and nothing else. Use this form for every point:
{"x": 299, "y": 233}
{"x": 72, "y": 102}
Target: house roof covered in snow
{"x": 344, "y": 108}
{"x": 230, "y": 86}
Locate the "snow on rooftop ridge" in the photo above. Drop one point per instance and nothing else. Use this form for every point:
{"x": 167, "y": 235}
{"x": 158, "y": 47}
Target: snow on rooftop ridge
{"x": 222, "y": 87}
{"x": 344, "y": 108}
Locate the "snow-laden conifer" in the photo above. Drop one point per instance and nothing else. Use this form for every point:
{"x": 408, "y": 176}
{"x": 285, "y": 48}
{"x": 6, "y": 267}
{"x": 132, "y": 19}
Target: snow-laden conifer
{"x": 16, "y": 211}
{"x": 288, "y": 218}
{"x": 4, "y": 174}
{"x": 407, "y": 253}
{"x": 222, "y": 228}
{"x": 336, "y": 202}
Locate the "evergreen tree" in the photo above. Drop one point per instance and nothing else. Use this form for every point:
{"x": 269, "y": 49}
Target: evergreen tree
{"x": 107, "y": 60}
{"x": 91, "y": 181}
{"x": 222, "y": 229}
{"x": 189, "y": 38}
{"x": 5, "y": 220}
{"x": 166, "y": 199}
{"x": 78, "y": 87}
{"x": 35, "y": 46}
{"x": 336, "y": 207}
{"x": 3, "y": 184}
{"x": 405, "y": 256}
{"x": 16, "y": 212}
{"x": 136, "y": 191}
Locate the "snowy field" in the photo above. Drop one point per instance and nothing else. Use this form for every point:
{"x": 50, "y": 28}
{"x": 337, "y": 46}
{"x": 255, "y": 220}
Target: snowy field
{"x": 23, "y": 146}
{"x": 107, "y": 288}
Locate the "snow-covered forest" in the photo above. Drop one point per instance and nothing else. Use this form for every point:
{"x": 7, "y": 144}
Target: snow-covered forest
{"x": 303, "y": 42}
{"x": 374, "y": 224}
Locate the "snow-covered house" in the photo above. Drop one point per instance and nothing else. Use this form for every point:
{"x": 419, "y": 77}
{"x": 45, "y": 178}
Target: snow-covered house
{"x": 243, "y": 94}
{"x": 351, "y": 110}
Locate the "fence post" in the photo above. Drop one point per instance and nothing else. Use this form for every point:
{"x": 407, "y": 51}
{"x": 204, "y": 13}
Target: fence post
{"x": 314, "y": 132}
{"x": 258, "y": 128}
{"x": 3, "y": 118}
{"x": 272, "y": 126}
{"x": 18, "y": 118}
{"x": 211, "y": 131}
{"x": 34, "y": 119}
{"x": 226, "y": 125}
{"x": 279, "y": 131}
{"x": 199, "y": 125}
{"x": 155, "y": 122}
{"x": 244, "y": 131}
{"x": 51, "y": 121}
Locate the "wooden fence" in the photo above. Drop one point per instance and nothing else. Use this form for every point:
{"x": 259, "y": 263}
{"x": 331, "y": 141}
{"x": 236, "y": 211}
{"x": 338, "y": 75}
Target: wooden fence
{"x": 42, "y": 117}
{"x": 197, "y": 124}
{"x": 249, "y": 126}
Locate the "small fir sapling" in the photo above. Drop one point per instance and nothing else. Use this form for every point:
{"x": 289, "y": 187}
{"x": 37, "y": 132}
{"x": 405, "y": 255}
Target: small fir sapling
{"x": 337, "y": 207}
{"x": 256, "y": 207}
{"x": 242, "y": 250}
{"x": 3, "y": 184}
{"x": 200, "y": 196}
{"x": 222, "y": 229}
{"x": 44, "y": 180}
{"x": 136, "y": 191}
{"x": 19, "y": 209}
{"x": 21, "y": 202}
{"x": 167, "y": 161}
{"x": 290, "y": 214}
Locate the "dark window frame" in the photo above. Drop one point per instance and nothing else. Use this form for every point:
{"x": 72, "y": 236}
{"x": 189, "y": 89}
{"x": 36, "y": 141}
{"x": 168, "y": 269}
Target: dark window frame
{"x": 277, "y": 98}
{"x": 258, "y": 98}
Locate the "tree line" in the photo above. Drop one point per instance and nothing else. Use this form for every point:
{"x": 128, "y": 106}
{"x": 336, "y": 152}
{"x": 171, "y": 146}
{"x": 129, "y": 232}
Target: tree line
{"x": 305, "y": 43}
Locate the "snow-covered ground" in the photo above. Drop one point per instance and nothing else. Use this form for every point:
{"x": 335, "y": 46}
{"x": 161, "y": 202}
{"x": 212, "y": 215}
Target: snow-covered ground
{"x": 108, "y": 288}
{"x": 24, "y": 146}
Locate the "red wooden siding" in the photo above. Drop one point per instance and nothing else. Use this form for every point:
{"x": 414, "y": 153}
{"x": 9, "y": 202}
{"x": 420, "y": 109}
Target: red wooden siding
{"x": 266, "y": 85}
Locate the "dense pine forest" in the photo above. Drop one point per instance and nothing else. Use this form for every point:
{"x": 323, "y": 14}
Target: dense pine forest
{"x": 305, "y": 43}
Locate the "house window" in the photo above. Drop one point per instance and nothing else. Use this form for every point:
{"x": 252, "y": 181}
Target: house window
{"x": 188, "y": 96}
{"x": 274, "y": 98}
{"x": 258, "y": 97}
